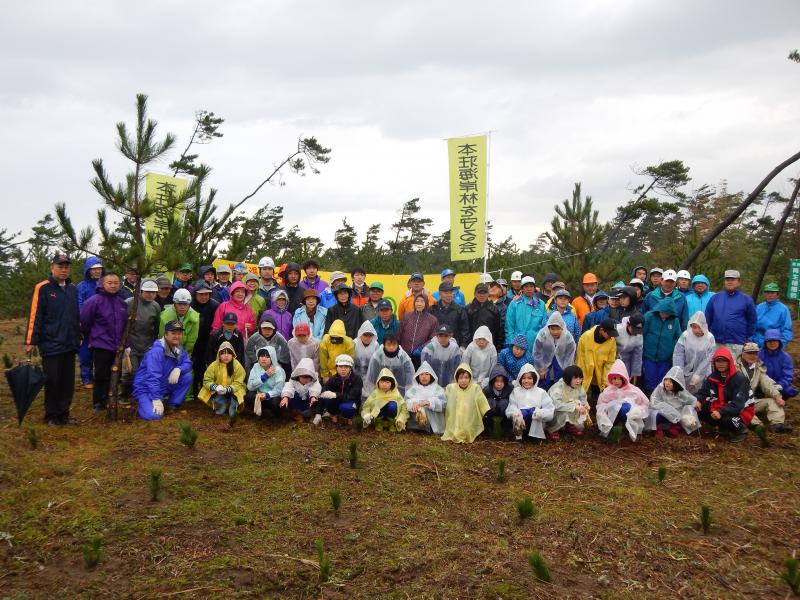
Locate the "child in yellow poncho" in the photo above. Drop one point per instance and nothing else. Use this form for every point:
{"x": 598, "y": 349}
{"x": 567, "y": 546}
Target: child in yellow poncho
{"x": 466, "y": 406}
{"x": 385, "y": 405}
{"x": 334, "y": 343}
{"x": 223, "y": 382}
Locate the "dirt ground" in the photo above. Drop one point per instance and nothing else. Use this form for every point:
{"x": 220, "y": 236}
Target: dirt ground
{"x": 420, "y": 518}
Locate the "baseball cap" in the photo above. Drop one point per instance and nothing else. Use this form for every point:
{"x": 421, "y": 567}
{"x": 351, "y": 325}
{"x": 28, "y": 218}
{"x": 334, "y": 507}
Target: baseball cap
{"x": 376, "y": 285}
{"x": 750, "y": 347}
{"x": 224, "y": 268}
{"x": 240, "y": 267}
{"x": 446, "y": 287}
{"x": 558, "y": 285}
{"x": 772, "y": 287}
{"x": 589, "y": 278}
{"x": 561, "y": 293}
{"x": 670, "y": 275}
{"x": 528, "y": 279}
{"x": 636, "y": 320}
{"x": 182, "y": 296}
{"x": 610, "y": 327}
{"x": 444, "y": 329}
{"x": 501, "y": 281}
{"x": 186, "y": 267}
{"x": 163, "y": 282}
{"x": 684, "y": 274}
{"x": 266, "y": 262}
{"x": 516, "y": 276}
{"x": 250, "y": 277}
{"x": 302, "y": 328}
{"x": 384, "y": 304}
{"x": 61, "y": 258}
{"x": 266, "y": 324}
{"x": 732, "y": 274}
{"x": 636, "y": 281}
{"x": 173, "y": 326}
{"x": 148, "y": 285}
{"x": 656, "y": 270}
{"x": 447, "y": 272}
{"x": 416, "y": 275}
{"x": 202, "y": 288}
{"x": 230, "y": 317}
{"x": 481, "y": 288}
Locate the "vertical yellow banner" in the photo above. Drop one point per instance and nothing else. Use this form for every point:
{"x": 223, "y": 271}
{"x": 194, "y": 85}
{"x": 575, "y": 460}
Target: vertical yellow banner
{"x": 467, "y": 158}
{"x": 164, "y": 191}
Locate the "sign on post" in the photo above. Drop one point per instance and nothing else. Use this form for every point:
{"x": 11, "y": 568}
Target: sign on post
{"x": 793, "y": 288}
{"x": 163, "y": 191}
{"x": 467, "y": 158}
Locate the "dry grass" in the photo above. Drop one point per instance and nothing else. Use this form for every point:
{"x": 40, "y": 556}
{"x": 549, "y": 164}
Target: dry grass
{"x": 239, "y": 516}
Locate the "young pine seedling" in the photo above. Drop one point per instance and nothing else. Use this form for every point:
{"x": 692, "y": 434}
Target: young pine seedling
{"x": 336, "y": 500}
{"x": 7, "y": 362}
{"x": 705, "y": 518}
{"x": 33, "y": 439}
{"x": 188, "y": 436}
{"x": 525, "y": 508}
{"x": 92, "y": 552}
{"x": 539, "y": 566}
{"x": 325, "y": 566}
{"x": 232, "y": 419}
{"x": 502, "y": 476}
{"x": 791, "y": 575}
{"x": 662, "y": 473}
{"x": 615, "y": 435}
{"x": 353, "y": 454}
{"x": 155, "y": 485}
{"x": 763, "y": 436}
{"x": 497, "y": 427}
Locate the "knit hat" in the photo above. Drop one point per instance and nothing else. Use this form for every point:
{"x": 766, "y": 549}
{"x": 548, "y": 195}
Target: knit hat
{"x": 520, "y": 341}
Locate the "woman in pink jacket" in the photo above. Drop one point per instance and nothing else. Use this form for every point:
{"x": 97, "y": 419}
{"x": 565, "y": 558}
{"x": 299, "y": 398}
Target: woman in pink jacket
{"x": 246, "y": 319}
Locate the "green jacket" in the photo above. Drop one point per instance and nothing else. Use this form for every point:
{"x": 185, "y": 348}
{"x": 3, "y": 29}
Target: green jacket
{"x": 191, "y": 325}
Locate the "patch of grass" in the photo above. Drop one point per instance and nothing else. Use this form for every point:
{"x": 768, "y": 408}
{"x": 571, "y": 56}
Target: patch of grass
{"x": 662, "y": 473}
{"x": 7, "y": 362}
{"x": 154, "y": 483}
{"x": 92, "y": 552}
{"x": 502, "y": 476}
{"x": 325, "y": 565}
{"x": 353, "y": 454}
{"x": 791, "y": 575}
{"x": 525, "y": 508}
{"x": 188, "y": 435}
{"x": 336, "y": 500}
{"x": 240, "y": 520}
{"x": 705, "y": 518}
{"x": 33, "y": 439}
{"x": 539, "y": 566}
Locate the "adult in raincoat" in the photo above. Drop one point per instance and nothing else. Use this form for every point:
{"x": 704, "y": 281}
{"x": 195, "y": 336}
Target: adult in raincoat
{"x": 482, "y": 311}
{"x": 724, "y": 400}
{"x": 772, "y": 314}
{"x": 630, "y": 345}
{"x": 661, "y": 332}
{"x": 570, "y": 403}
{"x": 731, "y": 314}
{"x": 205, "y": 306}
{"x": 481, "y": 355}
{"x": 451, "y": 312}
{"x": 693, "y": 352}
{"x": 312, "y": 313}
{"x": 700, "y": 294}
{"x": 93, "y": 270}
{"x": 526, "y": 315}
{"x": 466, "y": 407}
{"x": 443, "y": 354}
{"x": 767, "y": 394}
{"x": 779, "y": 364}
{"x": 333, "y": 344}
{"x": 345, "y": 311}
{"x": 596, "y": 352}
{"x": 668, "y": 290}
{"x": 143, "y": 330}
{"x": 553, "y": 350}
{"x": 529, "y": 406}
{"x": 620, "y": 402}
{"x": 165, "y": 370}
{"x": 245, "y": 319}
{"x": 672, "y": 409}
{"x": 224, "y": 382}
{"x": 252, "y": 298}
{"x": 417, "y": 328}
{"x": 385, "y": 404}
{"x": 426, "y": 402}
{"x": 384, "y": 321}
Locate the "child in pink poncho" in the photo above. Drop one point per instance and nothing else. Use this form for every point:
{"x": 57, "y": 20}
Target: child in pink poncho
{"x": 621, "y": 403}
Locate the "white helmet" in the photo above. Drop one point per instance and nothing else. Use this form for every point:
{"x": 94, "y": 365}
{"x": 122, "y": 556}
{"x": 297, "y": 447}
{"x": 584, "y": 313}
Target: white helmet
{"x": 486, "y": 278}
{"x": 344, "y": 360}
{"x": 266, "y": 262}
{"x": 148, "y": 285}
{"x": 516, "y": 276}
{"x": 182, "y": 296}
{"x": 528, "y": 279}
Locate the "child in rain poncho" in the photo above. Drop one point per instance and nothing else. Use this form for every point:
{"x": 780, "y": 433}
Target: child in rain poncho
{"x": 442, "y": 354}
{"x": 302, "y": 345}
{"x": 529, "y": 407}
{"x": 334, "y": 343}
{"x": 301, "y": 392}
{"x": 223, "y": 382}
{"x": 385, "y": 405}
{"x": 466, "y": 406}
{"x": 630, "y": 344}
{"x": 693, "y": 352}
{"x": 553, "y": 350}
{"x": 571, "y": 405}
{"x": 497, "y": 393}
{"x": 672, "y": 407}
{"x": 366, "y": 344}
{"x": 620, "y": 402}
{"x": 266, "y": 381}
{"x": 391, "y": 356}
{"x": 425, "y": 401}
{"x": 481, "y": 355}
{"x": 514, "y": 357}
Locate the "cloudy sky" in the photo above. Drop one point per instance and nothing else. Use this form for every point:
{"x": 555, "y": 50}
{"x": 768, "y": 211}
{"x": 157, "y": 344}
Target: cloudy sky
{"x": 573, "y": 91}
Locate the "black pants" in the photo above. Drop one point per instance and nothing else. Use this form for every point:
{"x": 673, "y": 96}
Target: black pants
{"x": 103, "y": 361}
{"x": 60, "y": 384}
{"x": 728, "y": 424}
{"x": 198, "y": 369}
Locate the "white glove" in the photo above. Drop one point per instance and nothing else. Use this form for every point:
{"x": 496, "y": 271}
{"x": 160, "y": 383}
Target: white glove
{"x": 317, "y": 419}
{"x": 367, "y": 419}
{"x": 220, "y": 389}
{"x": 257, "y": 406}
{"x": 328, "y": 395}
{"x": 158, "y": 407}
{"x": 174, "y": 375}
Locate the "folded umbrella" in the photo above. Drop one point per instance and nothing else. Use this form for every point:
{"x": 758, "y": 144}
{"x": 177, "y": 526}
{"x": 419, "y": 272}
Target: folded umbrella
{"x": 25, "y": 381}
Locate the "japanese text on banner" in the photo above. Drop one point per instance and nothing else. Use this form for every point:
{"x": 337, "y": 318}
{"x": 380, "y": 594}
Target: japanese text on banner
{"x": 164, "y": 191}
{"x": 467, "y": 158}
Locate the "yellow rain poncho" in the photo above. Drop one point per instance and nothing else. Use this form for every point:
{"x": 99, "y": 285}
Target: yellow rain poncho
{"x": 465, "y": 409}
{"x": 595, "y": 359}
{"x": 328, "y": 351}
{"x": 217, "y": 374}
{"x": 378, "y": 399}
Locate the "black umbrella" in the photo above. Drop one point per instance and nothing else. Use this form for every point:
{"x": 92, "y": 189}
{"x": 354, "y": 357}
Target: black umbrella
{"x": 25, "y": 381}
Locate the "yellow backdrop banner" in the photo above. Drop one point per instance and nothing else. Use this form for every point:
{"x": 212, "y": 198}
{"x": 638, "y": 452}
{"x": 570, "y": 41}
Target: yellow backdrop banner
{"x": 467, "y": 162}
{"x": 394, "y": 286}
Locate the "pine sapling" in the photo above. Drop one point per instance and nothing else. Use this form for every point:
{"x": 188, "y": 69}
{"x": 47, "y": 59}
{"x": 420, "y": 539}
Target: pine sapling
{"x": 33, "y": 439}
{"x": 763, "y": 436}
{"x": 7, "y": 362}
{"x": 497, "y": 427}
{"x": 353, "y": 454}
{"x": 662, "y": 473}
{"x": 615, "y": 435}
{"x": 155, "y": 485}
{"x": 232, "y": 419}
{"x": 325, "y": 566}
{"x": 336, "y": 500}
{"x": 502, "y": 476}
{"x": 525, "y": 508}
{"x": 18, "y": 330}
{"x": 791, "y": 575}
{"x": 92, "y": 552}
{"x": 539, "y": 566}
{"x": 188, "y": 436}
{"x": 705, "y": 518}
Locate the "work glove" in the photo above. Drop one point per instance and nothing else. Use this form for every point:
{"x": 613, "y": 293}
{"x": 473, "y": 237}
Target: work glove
{"x": 367, "y": 419}
{"x": 317, "y": 419}
{"x": 400, "y": 425}
{"x": 257, "y": 406}
{"x": 220, "y": 389}
{"x": 422, "y": 418}
{"x": 328, "y": 395}
{"x": 126, "y": 361}
{"x": 174, "y": 375}
{"x": 158, "y": 407}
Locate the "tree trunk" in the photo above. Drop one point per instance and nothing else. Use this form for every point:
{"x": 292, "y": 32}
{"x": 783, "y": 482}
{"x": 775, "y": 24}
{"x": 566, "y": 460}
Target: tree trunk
{"x": 712, "y": 235}
{"x": 775, "y": 238}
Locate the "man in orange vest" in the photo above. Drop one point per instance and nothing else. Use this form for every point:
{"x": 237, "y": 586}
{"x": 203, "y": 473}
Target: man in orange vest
{"x": 583, "y": 304}
{"x": 416, "y": 284}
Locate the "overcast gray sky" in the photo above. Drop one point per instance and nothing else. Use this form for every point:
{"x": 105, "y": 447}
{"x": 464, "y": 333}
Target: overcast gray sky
{"x": 573, "y": 91}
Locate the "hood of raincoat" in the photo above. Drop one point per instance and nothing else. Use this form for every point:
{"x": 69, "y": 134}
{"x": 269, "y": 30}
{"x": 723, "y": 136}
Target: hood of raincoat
{"x": 92, "y": 261}
{"x": 366, "y": 327}
{"x": 483, "y": 332}
{"x": 426, "y": 368}
{"x": 386, "y": 374}
{"x": 666, "y": 305}
{"x": 676, "y": 374}
{"x": 305, "y": 367}
{"x": 772, "y": 335}
{"x": 273, "y": 355}
{"x": 527, "y": 368}
{"x": 226, "y": 346}
{"x": 619, "y": 369}
{"x": 551, "y": 277}
{"x": 700, "y": 279}
{"x": 337, "y": 329}
{"x": 462, "y": 367}
{"x": 237, "y": 285}
{"x": 723, "y": 352}
{"x": 636, "y": 268}
{"x": 498, "y": 371}
{"x": 563, "y": 348}
{"x": 205, "y": 269}
{"x": 630, "y": 292}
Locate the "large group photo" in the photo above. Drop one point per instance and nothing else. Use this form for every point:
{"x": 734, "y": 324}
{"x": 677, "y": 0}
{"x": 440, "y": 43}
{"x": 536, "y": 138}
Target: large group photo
{"x": 442, "y": 367}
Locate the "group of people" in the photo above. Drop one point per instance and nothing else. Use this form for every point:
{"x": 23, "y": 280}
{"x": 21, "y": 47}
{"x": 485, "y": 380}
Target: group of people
{"x": 659, "y": 353}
